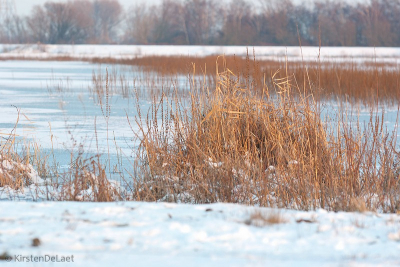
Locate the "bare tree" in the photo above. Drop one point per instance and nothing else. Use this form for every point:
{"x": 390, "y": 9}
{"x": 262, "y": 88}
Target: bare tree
{"x": 373, "y": 27}
{"x": 106, "y": 16}
{"x": 240, "y": 24}
{"x": 333, "y": 24}
{"x": 277, "y": 26}
{"x": 202, "y": 21}
{"x": 139, "y": 25}
{"x": 61, "y": 22}
{"x": 82, "y": 11}
{"x": 38, "y": 25}
{"x": 169, "y": 24}
{"x": 13, "y": 30}
{"x": 391, "y": 11}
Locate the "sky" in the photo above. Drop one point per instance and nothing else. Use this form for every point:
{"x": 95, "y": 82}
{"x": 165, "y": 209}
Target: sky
{"x": 24, "y": 7}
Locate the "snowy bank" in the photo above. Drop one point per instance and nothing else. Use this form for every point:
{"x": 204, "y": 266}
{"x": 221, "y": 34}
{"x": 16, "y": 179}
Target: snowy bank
{"x": 161, "y": 234}
{"x": 347, "y": 54}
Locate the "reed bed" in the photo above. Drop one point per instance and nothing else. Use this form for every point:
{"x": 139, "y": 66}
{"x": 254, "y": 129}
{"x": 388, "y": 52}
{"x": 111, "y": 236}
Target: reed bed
{"x": 247, "y": 132}
{"x": 270, "y": 147}
{"x": 14, "y": 170}
{"x": 350, "y": 81}
{"x": 366, "y": 82}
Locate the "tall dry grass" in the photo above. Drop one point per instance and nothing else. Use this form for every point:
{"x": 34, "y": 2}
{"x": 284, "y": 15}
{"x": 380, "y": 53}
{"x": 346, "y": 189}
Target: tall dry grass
{"x": 366, "y": 82}
{"x": 24, "y": 169}
{"x": 247, "y": 133}
{"x": 14, "y": 171}
{"x": 269, "y": 147}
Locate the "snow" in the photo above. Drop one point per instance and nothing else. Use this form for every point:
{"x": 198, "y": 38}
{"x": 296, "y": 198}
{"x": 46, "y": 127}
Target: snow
{"x": 169, "y": 234}
{"x": 165, "y": 234}
{"x": 9, "y": 167}
{"x": 296, "y": 53}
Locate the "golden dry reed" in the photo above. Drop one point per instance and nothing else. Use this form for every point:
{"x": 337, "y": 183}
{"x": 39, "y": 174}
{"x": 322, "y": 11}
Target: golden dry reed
{"x": 366, "y": 82}
{"x": 252, "y": 134}
{"x": 266, "y": 145}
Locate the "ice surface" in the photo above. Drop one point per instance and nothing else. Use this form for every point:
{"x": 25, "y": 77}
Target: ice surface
{"x": 61, "y": 121}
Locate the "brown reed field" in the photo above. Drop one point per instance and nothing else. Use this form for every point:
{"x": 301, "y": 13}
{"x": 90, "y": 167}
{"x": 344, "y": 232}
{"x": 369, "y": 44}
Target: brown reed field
{"x": 270, "y": 147}
{"x": 252, "y": 132}
{"x": 350, "y": 81}
{"x": 365, "y": 83}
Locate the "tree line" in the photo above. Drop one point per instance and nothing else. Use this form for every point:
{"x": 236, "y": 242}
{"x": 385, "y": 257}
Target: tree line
{"x": 208, "y": 22}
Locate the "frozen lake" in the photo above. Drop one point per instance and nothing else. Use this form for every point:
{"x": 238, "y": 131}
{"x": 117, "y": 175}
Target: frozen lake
{"x": 60, "y": 114}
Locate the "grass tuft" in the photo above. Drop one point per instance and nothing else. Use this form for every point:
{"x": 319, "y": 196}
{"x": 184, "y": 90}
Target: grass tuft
{"x": 261, "y": 219}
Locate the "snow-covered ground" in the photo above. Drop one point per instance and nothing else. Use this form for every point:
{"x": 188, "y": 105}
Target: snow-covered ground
{"x": 338, "y": 54}
{"x": 162, "y": 234}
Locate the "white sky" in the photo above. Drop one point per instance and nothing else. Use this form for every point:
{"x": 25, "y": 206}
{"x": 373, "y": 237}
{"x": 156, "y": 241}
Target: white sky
{"x": 24, "y": 7}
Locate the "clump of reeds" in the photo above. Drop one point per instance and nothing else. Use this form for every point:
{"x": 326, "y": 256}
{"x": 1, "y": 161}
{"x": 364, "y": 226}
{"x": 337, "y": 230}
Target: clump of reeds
{"x": 235, "y": 144}
{"x": 105, "y": 86}
{"x": 87, "y": 181}
{"x": 15, "y": 172}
